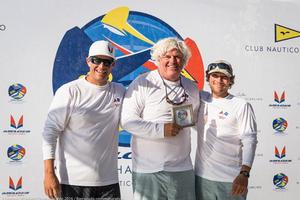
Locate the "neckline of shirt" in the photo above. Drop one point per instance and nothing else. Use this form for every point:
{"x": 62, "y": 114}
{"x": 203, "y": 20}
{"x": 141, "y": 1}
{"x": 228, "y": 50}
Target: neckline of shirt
{"x": 99, "y": 87}
{"x": 229, "y": 96}
{"x": 167, "y": 82}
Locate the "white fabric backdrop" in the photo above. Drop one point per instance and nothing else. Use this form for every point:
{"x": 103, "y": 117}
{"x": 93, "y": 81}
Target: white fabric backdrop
{"x": 242, "y": 32}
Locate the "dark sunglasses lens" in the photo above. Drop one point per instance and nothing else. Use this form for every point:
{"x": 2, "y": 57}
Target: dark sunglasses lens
{"x": 211, "y": 66}
{"x": 95, "y": 60}
{"x": 107, "y": 62}
{"x": 219, "y": 65}
{"x": 98, "y": 61}
{"x": 224, "y": 66}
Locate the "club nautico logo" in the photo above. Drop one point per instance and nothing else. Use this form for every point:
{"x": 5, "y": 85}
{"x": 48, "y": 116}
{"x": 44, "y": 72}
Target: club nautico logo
{"x": 284, "y": 33}
{"x": 281, "y": 34}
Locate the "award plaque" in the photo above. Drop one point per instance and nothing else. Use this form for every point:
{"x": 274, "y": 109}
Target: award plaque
{"x": 183, "y": 115}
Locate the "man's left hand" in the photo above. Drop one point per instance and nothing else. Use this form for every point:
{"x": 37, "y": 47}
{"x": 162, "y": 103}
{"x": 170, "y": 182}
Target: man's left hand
{"x": 239, "y": 185}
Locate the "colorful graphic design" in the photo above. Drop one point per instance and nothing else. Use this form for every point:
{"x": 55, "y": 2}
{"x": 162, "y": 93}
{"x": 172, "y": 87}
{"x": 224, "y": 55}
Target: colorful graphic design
{"x": 13, "y": 122}
{"x": 17, "y": 91}
{"x": 284, "y": 33}
{"x": 280, "y": 180}
{"x": 280, "y": 124}
{"x": 133, "y": 34}
{"x": 281, "y": 99}
{"x": 13, "y": 186}
{"x": 16, "y": 152}
{"x": 278, "y": 155}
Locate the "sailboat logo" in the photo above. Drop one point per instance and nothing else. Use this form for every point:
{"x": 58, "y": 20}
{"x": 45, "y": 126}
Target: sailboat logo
{"x": 133, "y": 34}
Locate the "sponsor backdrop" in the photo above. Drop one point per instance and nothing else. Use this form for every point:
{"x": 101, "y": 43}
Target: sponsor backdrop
{"x": 43, "y": 44}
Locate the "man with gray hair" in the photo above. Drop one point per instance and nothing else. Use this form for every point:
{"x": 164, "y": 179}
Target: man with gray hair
{"x": 162, "y": 167}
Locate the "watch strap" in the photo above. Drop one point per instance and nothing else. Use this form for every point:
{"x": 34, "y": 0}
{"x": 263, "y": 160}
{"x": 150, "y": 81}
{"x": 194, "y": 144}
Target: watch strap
{"x": 245, "y": 173}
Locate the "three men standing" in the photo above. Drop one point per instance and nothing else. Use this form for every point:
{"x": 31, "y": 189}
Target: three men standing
{"x": 84, "y": 118}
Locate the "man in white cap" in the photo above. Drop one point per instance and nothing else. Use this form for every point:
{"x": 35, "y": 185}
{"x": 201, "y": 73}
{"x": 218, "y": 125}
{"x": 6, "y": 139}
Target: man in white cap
{"x": 83, "y": 122}
{"x": 227, "y": 138}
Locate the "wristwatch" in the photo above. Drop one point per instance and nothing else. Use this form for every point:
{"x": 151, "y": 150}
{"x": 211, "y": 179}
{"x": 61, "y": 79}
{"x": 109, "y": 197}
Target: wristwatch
{"x": 245, "y": 173}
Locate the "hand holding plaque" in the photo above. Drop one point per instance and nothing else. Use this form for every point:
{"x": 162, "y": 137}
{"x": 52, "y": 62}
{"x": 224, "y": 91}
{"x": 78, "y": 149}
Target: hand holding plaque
{"x": 183, "y": 115}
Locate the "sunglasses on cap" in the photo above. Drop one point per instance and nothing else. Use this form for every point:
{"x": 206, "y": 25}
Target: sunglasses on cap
{"x": 221, "y": 65}
{"x": 97, "y": 61}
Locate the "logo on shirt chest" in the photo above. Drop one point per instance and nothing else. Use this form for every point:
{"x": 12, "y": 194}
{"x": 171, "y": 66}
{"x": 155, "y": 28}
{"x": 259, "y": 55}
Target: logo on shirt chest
{"x": 117, "y": 101}
{"x": 223, "y": 114}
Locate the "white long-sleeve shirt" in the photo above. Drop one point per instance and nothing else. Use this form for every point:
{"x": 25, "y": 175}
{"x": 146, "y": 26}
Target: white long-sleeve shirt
{"x": 84, "y": 119}
{"x": 227, "y": 137}
{"x": 144, "y": 113}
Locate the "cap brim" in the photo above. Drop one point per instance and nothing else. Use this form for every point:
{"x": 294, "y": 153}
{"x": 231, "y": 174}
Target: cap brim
{"x": 223, "y": 71}
{"x": 101, "y": 54}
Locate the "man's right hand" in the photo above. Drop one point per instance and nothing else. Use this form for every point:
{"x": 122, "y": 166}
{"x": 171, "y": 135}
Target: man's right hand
{"x": 51, "y": 186}
{"x": 51, "y": 183}
{"x": 171, "y": 129}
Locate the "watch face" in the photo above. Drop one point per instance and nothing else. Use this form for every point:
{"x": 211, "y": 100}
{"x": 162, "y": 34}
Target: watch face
{"x": 245, "y": 173}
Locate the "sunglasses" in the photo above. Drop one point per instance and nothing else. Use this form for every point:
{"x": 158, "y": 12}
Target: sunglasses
{"x": 220, "y": 66}
{"x": 97, "y": 61}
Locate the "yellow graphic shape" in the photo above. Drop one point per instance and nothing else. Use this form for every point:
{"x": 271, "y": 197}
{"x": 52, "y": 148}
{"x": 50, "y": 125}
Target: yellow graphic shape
{"x": 117, "y": 18}
{"x": 187, "y": 75}
{"x": 284, "y": 33}
{"x": 110, "y": 77}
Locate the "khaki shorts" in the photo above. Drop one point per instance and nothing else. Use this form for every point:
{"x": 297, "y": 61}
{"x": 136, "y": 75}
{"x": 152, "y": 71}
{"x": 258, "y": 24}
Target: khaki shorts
{"x": 164, "y": 185}
{"x": 214, "y": 190}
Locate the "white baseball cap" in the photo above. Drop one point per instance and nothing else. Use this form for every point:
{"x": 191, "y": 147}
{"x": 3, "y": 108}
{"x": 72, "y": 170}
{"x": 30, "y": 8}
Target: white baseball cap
{"x": 220, "y": 66}
{"x": 103, "y": 48}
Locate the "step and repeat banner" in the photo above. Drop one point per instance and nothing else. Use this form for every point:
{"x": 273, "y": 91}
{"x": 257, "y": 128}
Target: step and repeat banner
{"x": 43, "y": 44}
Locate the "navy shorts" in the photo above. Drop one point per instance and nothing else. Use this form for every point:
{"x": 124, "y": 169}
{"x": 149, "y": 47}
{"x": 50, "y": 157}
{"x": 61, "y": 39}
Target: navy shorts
{"x": 73, "y": 192}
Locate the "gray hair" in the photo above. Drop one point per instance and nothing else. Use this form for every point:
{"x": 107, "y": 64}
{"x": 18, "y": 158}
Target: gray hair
{"x": 164, "y": 45}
